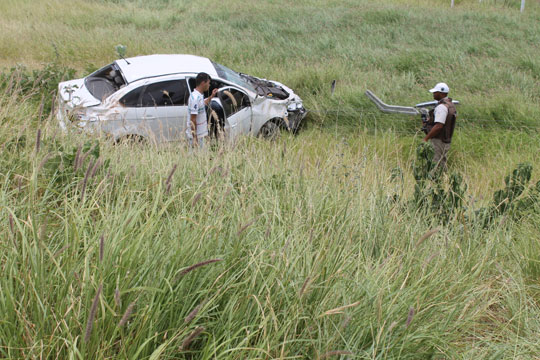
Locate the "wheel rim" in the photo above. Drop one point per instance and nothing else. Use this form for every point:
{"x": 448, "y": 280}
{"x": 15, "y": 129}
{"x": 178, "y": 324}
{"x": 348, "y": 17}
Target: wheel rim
{"x": 270, "y": 131}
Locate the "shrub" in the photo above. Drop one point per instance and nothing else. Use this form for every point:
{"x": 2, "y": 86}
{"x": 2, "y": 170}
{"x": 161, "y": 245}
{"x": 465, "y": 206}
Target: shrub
{"x": 40, "y": 85}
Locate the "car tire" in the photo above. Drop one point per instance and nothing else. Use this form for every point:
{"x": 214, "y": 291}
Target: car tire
{"x": 131, "y": 140}
{"x": 270, "y": 131}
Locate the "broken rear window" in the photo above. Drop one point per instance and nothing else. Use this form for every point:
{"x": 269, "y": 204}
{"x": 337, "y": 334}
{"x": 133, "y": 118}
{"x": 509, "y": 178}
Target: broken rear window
{"x": 104, "y": 82}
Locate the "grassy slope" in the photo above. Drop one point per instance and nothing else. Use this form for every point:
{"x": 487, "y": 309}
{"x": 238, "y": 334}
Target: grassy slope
{"x": 488, "y": 54}
{"x": 303, "y": 226}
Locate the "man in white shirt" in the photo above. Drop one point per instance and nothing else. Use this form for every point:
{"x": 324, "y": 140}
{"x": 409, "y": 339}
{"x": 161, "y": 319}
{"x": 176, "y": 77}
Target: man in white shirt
{"x": 197, "y": 123}
{"x": 441, "y": 124}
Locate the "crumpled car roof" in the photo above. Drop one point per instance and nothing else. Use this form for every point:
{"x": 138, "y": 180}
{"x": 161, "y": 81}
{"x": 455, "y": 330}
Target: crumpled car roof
{"x": 148, "y": 66}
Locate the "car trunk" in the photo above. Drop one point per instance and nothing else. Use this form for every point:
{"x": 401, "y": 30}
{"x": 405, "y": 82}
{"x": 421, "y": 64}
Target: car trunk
{"x": 75, "y": 93}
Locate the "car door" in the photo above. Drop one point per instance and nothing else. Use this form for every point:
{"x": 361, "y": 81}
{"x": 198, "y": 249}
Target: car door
{"x": 177, "y": 112}
{"x": 154, "y": 109}
{"x": 237, "y": 108}
{"x": 124, "y": 119}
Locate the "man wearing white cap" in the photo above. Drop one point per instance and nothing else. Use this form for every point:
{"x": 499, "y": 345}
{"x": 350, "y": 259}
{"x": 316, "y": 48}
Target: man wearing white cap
{"x": 441, "y": 124}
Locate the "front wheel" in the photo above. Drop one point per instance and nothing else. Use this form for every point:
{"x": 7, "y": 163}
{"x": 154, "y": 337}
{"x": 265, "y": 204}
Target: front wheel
{"x": 270, "y": 131}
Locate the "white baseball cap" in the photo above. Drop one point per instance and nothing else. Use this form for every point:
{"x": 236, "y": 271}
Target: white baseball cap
{"x": 440, "y": 87}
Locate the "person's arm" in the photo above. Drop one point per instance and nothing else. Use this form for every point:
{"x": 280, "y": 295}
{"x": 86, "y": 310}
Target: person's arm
{"x": 193, "y": 118}
{"x": 208, "y": 99}
{"x": 441, "y": 112}
{"x": 193, "y": 111}
{"x": 434, "y": 131}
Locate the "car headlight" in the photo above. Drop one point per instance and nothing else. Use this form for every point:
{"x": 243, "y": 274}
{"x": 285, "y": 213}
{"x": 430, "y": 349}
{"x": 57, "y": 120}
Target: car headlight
{"x": 295, "y": 106}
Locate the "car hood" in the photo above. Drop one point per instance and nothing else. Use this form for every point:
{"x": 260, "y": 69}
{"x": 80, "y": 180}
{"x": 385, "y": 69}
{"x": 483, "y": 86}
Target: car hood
{"x": 75, "y": 94}
{"x": 267, "y": 88}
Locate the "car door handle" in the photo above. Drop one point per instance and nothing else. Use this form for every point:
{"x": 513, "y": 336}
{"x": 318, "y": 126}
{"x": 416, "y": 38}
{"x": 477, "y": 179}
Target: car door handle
{"x": 149, "y": 117}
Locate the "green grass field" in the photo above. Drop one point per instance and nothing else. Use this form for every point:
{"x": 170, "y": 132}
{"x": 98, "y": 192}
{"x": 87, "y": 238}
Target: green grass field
{"x": 310, "y": 247}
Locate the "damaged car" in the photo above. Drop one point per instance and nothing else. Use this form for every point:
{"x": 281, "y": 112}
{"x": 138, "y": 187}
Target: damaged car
{"x": 146, "y": 97}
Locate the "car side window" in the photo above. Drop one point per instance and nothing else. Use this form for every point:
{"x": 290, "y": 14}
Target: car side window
{"x": 166, "y": 93}
{"x": 214, "y": 84}
{"x": 233, "y": 101}
{"x": 131, "y": 99}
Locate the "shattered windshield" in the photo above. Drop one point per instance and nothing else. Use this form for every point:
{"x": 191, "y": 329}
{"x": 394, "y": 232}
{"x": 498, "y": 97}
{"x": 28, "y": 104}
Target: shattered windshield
{"x": 232, "y": 76}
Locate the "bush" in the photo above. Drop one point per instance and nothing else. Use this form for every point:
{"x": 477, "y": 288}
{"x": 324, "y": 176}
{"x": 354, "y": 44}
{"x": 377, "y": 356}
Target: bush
{"x": 442, "y": 195}
{"x": 40, "y": 85}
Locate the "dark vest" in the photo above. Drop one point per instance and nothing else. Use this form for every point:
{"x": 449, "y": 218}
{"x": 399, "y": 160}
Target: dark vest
{"x": 448, "y": 128}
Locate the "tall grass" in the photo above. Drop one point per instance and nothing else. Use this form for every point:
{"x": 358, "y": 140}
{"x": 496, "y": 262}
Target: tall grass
{"x": 287, "y": 249}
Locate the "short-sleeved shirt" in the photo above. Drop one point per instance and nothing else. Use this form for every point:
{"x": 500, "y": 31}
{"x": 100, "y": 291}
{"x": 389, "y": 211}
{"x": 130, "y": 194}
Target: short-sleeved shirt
{"x": 196, "y": 107}
{"x": 441, "y": 113}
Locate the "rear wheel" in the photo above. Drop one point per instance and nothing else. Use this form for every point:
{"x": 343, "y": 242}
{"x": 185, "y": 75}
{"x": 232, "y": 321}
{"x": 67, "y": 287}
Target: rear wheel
{"x": 270, "y": 131}
{"x": 131, "y": 140}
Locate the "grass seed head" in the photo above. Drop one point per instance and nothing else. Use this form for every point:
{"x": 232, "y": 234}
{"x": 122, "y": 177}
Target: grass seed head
{"x": 43, "y": 161}
{"x": 127, "y": 314}
{"x": 38, "y": 140}
{"x": 85, "y": 180}
{"x": 101, "y": 247}
{"x": 198, "y": 265}
{"x": 194, "y": 312}
{"x": 171, "y": 173}
{"x": 77, "y": 158}
{"x": 92, "y": 315}
{"x": 191, "y": 337}
{"x": 410, "y": 316}
{"x": 96, "y": 167}
{"x": 11, "y": 224}
{"x": 59, "y": 252}
{"x": 243, "y": 228}
{"x": 427, "y": 236}
{"x": 304, "y": 286}
{"x": 117, "y": 300}
{"x": 196, "y": 199}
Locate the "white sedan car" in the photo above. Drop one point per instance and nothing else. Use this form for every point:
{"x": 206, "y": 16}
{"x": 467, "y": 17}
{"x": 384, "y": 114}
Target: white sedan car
{"x": 145, "y": 97}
